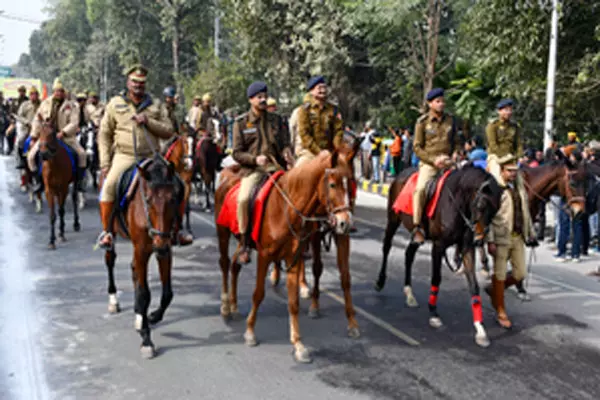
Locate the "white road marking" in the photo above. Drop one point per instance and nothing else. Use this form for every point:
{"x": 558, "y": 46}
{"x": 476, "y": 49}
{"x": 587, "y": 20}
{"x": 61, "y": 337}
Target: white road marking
{"x": 590, "y": 303}
{"x": 560, "y": 295}
{"x": 375, "y": 320}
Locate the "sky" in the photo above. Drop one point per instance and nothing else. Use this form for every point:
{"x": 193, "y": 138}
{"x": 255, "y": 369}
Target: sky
{"x": 14, "y": 34}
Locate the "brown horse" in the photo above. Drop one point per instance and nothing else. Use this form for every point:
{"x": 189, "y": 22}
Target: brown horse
{"x": 148, "y": 221}
{"x": 57, "y": 174}
{"x": 313, "y": 192}
{"x": 207, "y": 162}
{"x": 178, "y": 150}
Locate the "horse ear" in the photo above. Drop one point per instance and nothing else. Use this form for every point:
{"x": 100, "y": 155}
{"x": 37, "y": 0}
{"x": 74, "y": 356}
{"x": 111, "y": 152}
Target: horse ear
{"x": 334, "y": 158}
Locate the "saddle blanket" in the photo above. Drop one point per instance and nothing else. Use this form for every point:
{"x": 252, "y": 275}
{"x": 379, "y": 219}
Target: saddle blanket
{"x": 70, "y": 153}
{"x": 404, "y": 201}
{"x": 199, "y": 144}
{"x": 228, "y": 214}
{"x": 128, "y": 182}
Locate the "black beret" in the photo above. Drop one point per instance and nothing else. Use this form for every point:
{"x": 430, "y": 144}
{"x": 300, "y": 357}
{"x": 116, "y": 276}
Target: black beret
{"x": 314, "y": 81}
{"x": 504, "y": 103}
{"x": 256, "y": 88}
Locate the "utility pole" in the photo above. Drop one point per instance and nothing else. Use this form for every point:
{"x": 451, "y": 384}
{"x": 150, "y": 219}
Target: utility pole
{"x": 551, "y": 75}
{"x": 217, "y": 29}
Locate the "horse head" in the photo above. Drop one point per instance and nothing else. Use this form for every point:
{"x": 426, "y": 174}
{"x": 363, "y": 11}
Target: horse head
{"x": 572, "y": 180}
{"x": 178, "y": 151}
{"x": 160, "y": 195}
{"x": 48, "y": 140}
{"x": 334, "y": 192}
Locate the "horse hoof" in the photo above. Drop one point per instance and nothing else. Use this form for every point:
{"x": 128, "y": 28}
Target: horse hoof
{"x": 147, "y": 352}
{"x": 23, "y": 189}
{"x": 411, "y": 302}
{"x": 155, "y": 317}
{"x": 482, "y": 341}
{"x": 38, "y": 208}
{"x": 62, "y": 239}
{"x": 51, "y": 246}
{"x": 76, "y": 227}
{"x": 379, "y": 284}
{"x": 314, "y": 313}
{"x": 207, "y": 210}
{"x": 354, "y": 333}
{"x": 235, "y": 315}
{"x": 250, "y": 339}
{"x": 302, "y": 356}
{"x": 114, "y": 308}
{"x": 304, "y": 292}
{"x": 435, "y": 322}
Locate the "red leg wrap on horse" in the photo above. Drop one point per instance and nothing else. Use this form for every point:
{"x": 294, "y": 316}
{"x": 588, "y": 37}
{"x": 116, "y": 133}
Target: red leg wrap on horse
{"x": 23, "y": 180}
{"x": 433, "y": 295}
{"x": 476, "y": 306}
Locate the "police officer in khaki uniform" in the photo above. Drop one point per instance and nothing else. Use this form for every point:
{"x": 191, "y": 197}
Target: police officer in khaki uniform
{"x": 259, "y": 146}
{"x": 94, "y": 109}
{"x": 203, "y": 123}
{"x": 167, "y": 108}
{"x": 435, "y": 142}
{"x": 13, "y": 110}
{"x": 509, "y": 233}
{"x": 26, "y": 113}
{"x": 124, "y": 116}
{"x": 64, "y": 114}
{"x": 320, "y": 125}
{"x": 193, "y": 113}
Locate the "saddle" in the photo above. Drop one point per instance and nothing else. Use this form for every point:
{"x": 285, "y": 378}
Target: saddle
{"x": 256, "y": 208}
{"x": 38, "y": 158}
{"x": 404, "y": 201}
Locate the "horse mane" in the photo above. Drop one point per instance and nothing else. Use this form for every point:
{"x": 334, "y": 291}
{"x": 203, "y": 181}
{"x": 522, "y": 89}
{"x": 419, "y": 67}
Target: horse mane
{"x": 159, "y": 172}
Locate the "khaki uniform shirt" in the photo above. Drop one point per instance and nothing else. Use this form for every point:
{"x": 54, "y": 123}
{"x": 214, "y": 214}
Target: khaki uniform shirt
{"x": 502, "y": 226}
{"x": 320, "y": 128}
{"x": 504, "y": 138}
{"x": 192, "y": 116}
{"x": 433, "y": 137}
{"x": 117, "y": 129}
{"x": 203, "y": 121}
{"x": 27, "y": 112}
{"x": 168, "y": 113}
{"x": 94, "y": 113}
{"x": 67, "y": 118}
{"x": 255, "y": 135}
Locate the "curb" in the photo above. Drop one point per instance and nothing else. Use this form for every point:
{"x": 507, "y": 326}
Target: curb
{"x": 381, "y": 189}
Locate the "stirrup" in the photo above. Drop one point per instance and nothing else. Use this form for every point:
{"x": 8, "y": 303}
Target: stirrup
{"x": 101, "y": 237}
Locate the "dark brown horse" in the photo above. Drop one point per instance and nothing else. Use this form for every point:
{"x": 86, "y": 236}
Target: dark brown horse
{"x": 148, "y": 221}
{"x": 178, "y": 150}
{"x": 207, "y": 159}
{"x": 57, "y": 173}
{"x": 469, "y": 200}
{"x": 302, "y": 196}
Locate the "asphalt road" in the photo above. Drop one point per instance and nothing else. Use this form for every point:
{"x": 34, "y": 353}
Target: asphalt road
{"x": 57, "y": 340}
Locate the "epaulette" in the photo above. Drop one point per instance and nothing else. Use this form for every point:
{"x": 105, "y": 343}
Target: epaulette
{"x": 422, "y": 118}
{"x": 240, "y": 117}
{"x": 306, "y": 105}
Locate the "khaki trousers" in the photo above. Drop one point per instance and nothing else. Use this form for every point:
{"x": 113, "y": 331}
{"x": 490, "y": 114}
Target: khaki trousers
{"x": 513, "y": 252}
{"x": 120, "y": 163}
{"x": 246, "y": 186}
{"x": 304, "y": 156}
{"x": 426, "y": 174}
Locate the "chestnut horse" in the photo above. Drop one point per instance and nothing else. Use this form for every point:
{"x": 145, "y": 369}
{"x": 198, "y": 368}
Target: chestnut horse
{"x": 316, "y": 191}
{"x": 57, "y": 173}
{"x": 468, "y": 202}
{"x": 148, "y": 221}
{"x": 207, "y": 162}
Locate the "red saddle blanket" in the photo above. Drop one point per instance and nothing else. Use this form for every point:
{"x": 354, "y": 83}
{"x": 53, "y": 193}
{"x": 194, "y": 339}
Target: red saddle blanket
{"x": 199, "y": 144}
{"x": 404, "y": 201}
{"x": 228, "y": 214}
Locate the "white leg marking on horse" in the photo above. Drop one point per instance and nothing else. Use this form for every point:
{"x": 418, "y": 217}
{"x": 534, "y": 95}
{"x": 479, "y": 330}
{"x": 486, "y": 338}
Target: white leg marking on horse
{"x": 304, "y": 292}
{"x": 38, "y": 205}
{"x": 481, "y": 337}
{"x": 112, "y": 299}
{"x": 411, "y": 301}
{"x": 81, "y": 201}
{"x": 138, "y": 322}
{"x": 435, "y": 322}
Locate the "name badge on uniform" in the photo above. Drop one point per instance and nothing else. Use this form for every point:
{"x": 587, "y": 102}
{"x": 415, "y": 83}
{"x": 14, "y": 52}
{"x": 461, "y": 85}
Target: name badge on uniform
{"x": 249, "y": 131}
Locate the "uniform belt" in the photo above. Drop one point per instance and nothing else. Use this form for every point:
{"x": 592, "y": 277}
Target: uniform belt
{"x": 515, "y": 234}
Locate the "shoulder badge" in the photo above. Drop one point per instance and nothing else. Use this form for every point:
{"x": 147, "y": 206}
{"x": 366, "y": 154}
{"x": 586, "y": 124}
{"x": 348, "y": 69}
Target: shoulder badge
{"x": 242, "y": 116}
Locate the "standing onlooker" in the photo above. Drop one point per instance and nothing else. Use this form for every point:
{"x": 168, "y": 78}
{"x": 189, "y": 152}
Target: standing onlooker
{"x": 407, "y": 148}
{"x": 375, "y": 140}
{"x": 396, "y": 151}
{"x": 365, "y": 151}
{"x": 539, "y": 157}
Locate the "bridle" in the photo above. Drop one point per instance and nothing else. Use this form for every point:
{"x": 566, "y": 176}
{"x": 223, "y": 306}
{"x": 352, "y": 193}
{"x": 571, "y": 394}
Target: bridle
{"x": 51, "y": 145}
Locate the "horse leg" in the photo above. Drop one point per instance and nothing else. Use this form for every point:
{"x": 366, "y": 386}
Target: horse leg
{"x": 113, "y": 303}
{"x": 164, "y": 269}
{"x": 257, "y": 298}
{"x": 233, "y": 288}
{"x": 207, "y": 187}
{"x": 317, "y": 268}
{"x": 393, "y": 223}
{"x": 485, "y": 269}
{"x": 188, "y": 227}
{"x": 301, "y": 353}
{"x": 409, "y": 259}
{"x": 61, "y": 216}
{"x": 224, "y": 234}
{"x": 481, "y": 337}
{"x": 436, "y": 278}
{"x": 343, "y": 260}
{"x": 304, "y": 289}
{"x": 142, "y": 298}
{"x": 76, "y": 225}
{"x": 50, "y": 200}
{"x": 275, "y": 274}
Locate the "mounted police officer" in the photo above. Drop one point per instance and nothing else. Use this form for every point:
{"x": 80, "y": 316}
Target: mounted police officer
{"x": 260, "y": 147}
{"x": 320, "y": 125}
{"x": 94, "y": 110}
{"x": 26, "y": 114}
{"x": 126, "y": 115}
{"x": 435, "y": 142}
{"x": 168, "y": 107}
{"x": 14, "y": 110}
{"x": 203, "y": 122}
{"x": 64, "y": 115}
